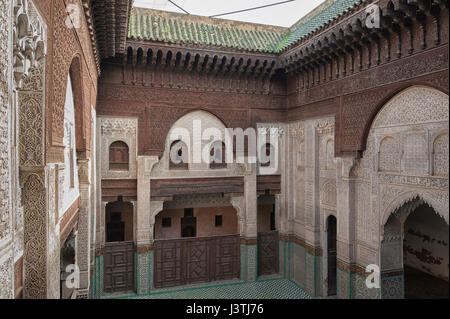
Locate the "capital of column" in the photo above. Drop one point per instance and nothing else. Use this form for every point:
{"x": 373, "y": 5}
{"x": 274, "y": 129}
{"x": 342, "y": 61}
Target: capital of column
{"x": 239, "y": 204}
{"x": 83, "y": 171}
{"x": 155, "y": 208}
{"x": 145, "y": 165}
{"x": 347, "y": 163}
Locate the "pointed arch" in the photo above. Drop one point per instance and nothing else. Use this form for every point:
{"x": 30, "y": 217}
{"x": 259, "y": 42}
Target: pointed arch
{"x": 435, "y": 200}
{"x": 390, "y": 99}
{"x": 76, "y": 77}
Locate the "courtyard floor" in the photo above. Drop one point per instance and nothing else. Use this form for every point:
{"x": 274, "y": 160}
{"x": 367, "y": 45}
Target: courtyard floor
{"x": 264, "y": 289}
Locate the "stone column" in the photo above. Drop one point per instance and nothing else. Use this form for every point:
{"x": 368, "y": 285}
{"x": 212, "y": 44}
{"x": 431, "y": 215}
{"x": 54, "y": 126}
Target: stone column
{"x": 249, "y": 240}
{"x": 312, "y": 211}
{"x": 84, "y": 223}
{"x": 96, "y": 290}
{"x": 345, "y": 226}
{"x": 29, "y": 87}
{"x": 239, "y": 205}
{"x": 144, "y": 227}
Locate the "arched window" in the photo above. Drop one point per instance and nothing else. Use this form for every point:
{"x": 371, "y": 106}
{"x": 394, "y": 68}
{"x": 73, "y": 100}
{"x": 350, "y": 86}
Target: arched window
{"x": 119, "y": 156}
{"x": 217, "y": 156}
{"x": 179, "y": 156}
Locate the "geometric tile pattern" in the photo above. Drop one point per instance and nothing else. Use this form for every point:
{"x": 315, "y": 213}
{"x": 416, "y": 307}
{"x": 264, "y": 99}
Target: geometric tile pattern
{"x": 392, "y": 288}
{"x": 298, "y": 264}
{"x": 310, "y": 266}
{"x": 143, "y": 275}
{"x": 252, "y": 263}
{"x": 360, "y": 290}
{"x": 267, "y": 289}
{"x": 343, "y": 284}
{"x": 96, "y": 290}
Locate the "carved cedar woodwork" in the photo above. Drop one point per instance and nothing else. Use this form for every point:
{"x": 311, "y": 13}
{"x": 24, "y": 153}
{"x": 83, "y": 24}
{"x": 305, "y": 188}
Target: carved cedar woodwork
{"x": 165, "y": 189}
{"x": 196, "y": 260}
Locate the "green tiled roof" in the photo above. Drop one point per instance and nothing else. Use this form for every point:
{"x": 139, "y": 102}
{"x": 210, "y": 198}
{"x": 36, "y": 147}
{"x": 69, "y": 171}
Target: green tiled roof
{"x": 169, "y": 27}
{"x": 331, "y": 11}
{"x": 154, "y": 25}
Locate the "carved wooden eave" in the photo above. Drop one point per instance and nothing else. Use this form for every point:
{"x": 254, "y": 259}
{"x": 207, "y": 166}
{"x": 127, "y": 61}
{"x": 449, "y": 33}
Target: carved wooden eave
{"x": 201, "y": 59}
{"x": 108, "y": 25}
{"x": 91, "y": 28}
{"x": 188, "y": 65}
{"x": 349, "y": 34}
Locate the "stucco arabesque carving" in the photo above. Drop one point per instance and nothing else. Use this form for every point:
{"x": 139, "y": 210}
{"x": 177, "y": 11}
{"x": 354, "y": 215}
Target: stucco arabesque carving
{"x": 29, "y": 47}
{"x": 325, "y": 126}
{"x": 118, "y": 126}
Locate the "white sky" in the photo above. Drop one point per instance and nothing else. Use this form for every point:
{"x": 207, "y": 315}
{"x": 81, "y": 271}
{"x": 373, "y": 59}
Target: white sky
{"x": 281, "y": 15}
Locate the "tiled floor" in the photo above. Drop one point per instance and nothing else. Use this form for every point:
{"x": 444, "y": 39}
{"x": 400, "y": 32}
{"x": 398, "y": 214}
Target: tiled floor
{"x": 265, "y": 289}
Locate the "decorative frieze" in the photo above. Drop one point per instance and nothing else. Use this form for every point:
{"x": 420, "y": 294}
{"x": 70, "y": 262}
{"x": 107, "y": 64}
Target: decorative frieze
{"x": 118, "y": 126}
{"x": 325, "y": 126}
{"x": 421, "y": 181}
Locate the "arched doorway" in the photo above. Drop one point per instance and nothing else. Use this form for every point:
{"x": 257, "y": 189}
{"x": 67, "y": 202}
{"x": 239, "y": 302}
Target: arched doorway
{"x": 425, "y": 254}
{"x": 414, "y": 253}
{"x": 331, "y": 255}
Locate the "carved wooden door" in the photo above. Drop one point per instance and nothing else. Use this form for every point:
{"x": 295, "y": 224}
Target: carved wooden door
{"x": 225, "y": 256}
{"x": 268, "y": 263}
{"x": 169, "y": 263}
{"x": 119, "y": 267}
{"x": 196, "y": 260}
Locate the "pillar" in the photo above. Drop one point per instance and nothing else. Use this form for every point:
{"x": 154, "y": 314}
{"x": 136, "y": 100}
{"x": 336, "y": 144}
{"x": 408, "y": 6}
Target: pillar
{"x": 144, "y": 227}
{"x": 345, "y": 227}
{"x": 84, "y": 224}
{"x": 249, "y": 240}
{"x": 96, "y": 289}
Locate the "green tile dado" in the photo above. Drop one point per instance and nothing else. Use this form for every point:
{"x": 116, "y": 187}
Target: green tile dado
{"x": 263, "y": 289}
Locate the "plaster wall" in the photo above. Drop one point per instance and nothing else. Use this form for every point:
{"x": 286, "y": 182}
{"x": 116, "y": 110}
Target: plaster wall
{"x": 205, "y": 222}
{"x": 426, "y": 242}
{"x": 69, "y": 182}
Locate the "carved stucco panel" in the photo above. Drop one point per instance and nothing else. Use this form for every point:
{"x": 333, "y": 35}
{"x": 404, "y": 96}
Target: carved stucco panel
{"x": 412, "y": 106}
{"x": 5, "y": 91}
{"x": 113, "y": 130}
{"x": 31, "y": 128}
{"x": 440, "y": 155}
{"x": 35, "y": 237}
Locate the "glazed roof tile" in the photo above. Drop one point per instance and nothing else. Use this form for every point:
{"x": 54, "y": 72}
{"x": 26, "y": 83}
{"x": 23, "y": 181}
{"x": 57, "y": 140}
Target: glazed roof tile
{"x": 177, "y": 28}
{"x": 330, "y": 11}
{"x": 169, "y": 27}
